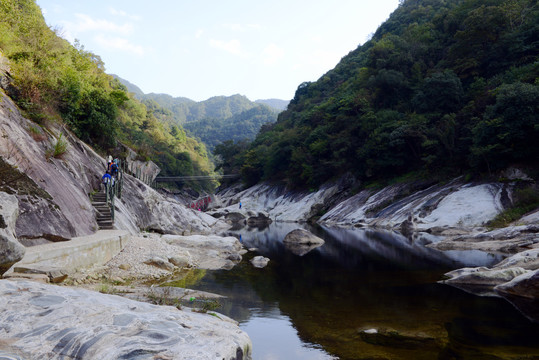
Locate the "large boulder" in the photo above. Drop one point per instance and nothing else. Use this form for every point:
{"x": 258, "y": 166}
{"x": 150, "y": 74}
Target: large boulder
{"x": 302, "y": 237}
{"x": 42, "y": 321}
{"x": 260, "y": 261}
{"x": 11, "y": 251}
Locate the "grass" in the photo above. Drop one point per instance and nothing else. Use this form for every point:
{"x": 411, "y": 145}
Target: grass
{"x": 164, "y": 298}
{"x": 37, "y": 133}
{"x": 525, "y": 200}
{"x": 58, "y": 149}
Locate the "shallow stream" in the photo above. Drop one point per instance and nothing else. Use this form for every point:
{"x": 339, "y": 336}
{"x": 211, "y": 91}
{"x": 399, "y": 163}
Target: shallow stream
{"x": 316, "y": 305}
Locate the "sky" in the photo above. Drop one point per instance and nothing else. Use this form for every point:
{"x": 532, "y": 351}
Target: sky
{"x": 203, "y": 48}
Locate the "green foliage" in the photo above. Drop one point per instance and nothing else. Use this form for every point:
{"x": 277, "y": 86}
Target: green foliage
{"x": 55, "y": 81}
{"x": 241, "y": 126}
{"x": 60, "y": 147}
{"x": 441, "y": 88}
{"x": 525, "y": 200}
{"x": 509, "y": 128}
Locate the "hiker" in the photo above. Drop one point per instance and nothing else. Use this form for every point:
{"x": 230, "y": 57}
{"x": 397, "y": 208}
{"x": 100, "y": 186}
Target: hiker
{"x": 240, "y": 204}
{"x": 106, "y": 179}
{"x": 114, "y": 168}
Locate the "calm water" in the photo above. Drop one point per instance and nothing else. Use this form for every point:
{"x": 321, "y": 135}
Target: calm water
{"x": 313, "y": 306}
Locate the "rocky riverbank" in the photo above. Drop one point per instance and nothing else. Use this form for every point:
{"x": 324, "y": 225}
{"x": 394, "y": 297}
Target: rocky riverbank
{"x": 84, "y": 319}
{"x": 452, "y": 215}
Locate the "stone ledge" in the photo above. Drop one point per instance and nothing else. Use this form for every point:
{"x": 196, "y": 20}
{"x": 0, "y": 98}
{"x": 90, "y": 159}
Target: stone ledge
{"x": 77, "y": 253}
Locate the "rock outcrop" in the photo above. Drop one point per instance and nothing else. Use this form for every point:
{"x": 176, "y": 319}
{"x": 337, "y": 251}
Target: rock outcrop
{"x": 11, "y": 250}
{"x": 42, "y": 321}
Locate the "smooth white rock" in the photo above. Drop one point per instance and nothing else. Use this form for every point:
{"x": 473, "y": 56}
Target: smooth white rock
{"x": 41, "y": 321}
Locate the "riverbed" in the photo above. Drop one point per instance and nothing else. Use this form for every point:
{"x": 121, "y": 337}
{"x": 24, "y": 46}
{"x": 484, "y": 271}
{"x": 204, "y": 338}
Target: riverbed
{"x": 365, "y": 294}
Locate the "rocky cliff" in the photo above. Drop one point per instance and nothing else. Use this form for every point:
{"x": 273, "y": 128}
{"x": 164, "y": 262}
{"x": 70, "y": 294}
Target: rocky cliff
{"x": 52, "y": 190}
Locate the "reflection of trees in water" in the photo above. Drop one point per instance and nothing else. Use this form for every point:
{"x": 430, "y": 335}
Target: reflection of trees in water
{"x": 363, "y": 279}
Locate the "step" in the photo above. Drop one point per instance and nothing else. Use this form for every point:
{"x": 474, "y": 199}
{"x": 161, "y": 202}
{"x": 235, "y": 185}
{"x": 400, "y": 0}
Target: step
{"x": 99, "y": 203}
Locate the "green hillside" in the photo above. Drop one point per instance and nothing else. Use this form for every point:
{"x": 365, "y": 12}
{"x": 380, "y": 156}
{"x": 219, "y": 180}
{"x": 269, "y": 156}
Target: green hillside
{"x": 241, "y": 126}
{"x": 55, "y": 82}
{"x": 443, "y": 88}
{"x": 215, "y": 120}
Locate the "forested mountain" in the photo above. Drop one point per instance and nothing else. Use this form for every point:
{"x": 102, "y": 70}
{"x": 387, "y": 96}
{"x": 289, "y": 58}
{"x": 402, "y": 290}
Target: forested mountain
{"x": 54, "y": 82}
{"x": 241, "y": 126}
{"x": 215, "y": 120}
{"x": 442, "y": 88}
{"x": 276, "y": 104}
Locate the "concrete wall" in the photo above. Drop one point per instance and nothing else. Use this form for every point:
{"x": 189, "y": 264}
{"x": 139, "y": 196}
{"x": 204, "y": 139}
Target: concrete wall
{"x": 77, "y": 253}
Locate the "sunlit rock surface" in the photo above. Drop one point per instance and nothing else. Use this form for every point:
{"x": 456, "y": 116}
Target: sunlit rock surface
{"x": 454, "y": 205}
{"x": 212, "y": 251}
{"x": 41, "y": 321}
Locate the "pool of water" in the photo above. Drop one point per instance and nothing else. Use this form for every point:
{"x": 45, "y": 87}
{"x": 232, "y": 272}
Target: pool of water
{"x": 317, "y": 305}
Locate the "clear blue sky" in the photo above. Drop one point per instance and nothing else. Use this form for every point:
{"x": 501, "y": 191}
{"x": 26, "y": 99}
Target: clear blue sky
{"x": 203, "y": 48}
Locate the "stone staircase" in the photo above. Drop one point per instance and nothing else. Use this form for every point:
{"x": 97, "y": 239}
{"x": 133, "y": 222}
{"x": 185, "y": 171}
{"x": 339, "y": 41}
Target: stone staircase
{"x": 104, "y": 215}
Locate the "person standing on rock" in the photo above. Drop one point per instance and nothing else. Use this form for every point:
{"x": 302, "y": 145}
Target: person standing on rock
{"x": 240, "y": 204}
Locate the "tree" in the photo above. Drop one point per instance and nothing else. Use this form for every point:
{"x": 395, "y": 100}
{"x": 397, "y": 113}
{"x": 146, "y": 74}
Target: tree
{"x": 442, "y": 92}
{"x": 510, "y": 128}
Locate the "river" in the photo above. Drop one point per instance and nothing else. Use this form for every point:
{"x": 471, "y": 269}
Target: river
{"x": 317, "y": 305}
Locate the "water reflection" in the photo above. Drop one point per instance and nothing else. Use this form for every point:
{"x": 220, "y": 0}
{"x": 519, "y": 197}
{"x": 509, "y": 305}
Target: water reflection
{"x": 314, "y": 306}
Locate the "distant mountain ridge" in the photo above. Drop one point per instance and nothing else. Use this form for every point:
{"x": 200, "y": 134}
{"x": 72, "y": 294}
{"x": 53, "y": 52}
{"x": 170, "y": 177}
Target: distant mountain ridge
{"x": 187, "y": 110}
{"x": 216, "y": 119}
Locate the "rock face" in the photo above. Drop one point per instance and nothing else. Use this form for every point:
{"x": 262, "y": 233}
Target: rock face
{"x": 414, "y": 206}
{"x": 421, "y": 207}
{"x": 41, "y": 321}
{"x": 279, "y": 203}
{"x": 146, "y": 170}
{"x": 11, "y": 250}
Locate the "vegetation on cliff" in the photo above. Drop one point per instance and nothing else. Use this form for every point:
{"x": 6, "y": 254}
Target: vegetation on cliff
{"x": 53, "y": 81}
{"x": 443, "y": 87}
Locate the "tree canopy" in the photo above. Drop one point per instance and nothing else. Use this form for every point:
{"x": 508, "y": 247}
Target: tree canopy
{"x": 443, "y": 87}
